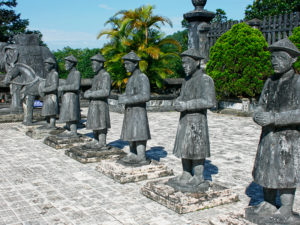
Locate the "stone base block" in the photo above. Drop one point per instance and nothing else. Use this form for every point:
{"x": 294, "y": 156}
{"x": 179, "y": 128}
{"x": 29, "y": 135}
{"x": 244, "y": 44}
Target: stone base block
{"x": 180, "y": 202}
{"x": 66, "y": 142}
{"x": 42, "y": 132}
{"x": 127, "y": 174}
{"x": 231, "y": 219}
{"x": 90, "y": 155}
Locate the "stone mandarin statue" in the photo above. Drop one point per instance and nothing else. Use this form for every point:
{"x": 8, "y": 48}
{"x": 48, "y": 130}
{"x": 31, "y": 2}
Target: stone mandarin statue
{"x": 135, "y": 124}
{"x": 70, "y": 107}
{"x": 277, "y": 161}
{"x": 98, "y": 118}
{"x": 48, "y": 90}
{"x": 192, "y": 138}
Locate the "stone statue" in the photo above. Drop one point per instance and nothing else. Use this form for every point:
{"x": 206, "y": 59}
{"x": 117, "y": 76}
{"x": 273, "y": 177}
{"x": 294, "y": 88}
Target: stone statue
{"x": 277, "y": 161}
{"x": 48, "y": 90}
{"x": 135, "y": 124}
{"x": 70, "y": 107}
{"x": 98, "y": 118}
{"x": 192, "y": 138}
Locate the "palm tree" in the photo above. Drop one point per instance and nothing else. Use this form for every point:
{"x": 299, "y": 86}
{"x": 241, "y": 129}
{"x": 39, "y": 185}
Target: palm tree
{"x": 139, "y": 30}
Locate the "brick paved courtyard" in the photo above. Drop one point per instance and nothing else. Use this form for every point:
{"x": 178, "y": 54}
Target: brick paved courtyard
{"x": 40, "y": 185}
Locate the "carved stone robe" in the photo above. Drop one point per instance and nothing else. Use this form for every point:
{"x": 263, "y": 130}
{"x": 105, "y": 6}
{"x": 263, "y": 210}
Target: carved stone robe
{"x": 70, "y": 106}
{"x": 135, "y": 123}
{"x": 192, "y": 138}
{"x": 277, "y": 161}
{"x": 50, "y": 100}
{"x": 98, "y": 113}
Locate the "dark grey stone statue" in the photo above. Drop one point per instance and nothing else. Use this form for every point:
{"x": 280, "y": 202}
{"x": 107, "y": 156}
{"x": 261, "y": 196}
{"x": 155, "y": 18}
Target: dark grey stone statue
{"x": 48, "y": 90}
{"x": 192, "y": 138}
{"x": 135, "y": 124}
{"x": 24, "y": 65}
{"x": 70, "y": 107}
{"x": 277, "y": 161}
{"x": 98, "y": 118}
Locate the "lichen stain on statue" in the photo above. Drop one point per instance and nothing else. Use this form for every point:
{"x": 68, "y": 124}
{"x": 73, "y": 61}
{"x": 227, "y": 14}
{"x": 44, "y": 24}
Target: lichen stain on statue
{"x": 24, "y": 65}
{"x": 276, "y": 166}
{"x": 192, "y": 139}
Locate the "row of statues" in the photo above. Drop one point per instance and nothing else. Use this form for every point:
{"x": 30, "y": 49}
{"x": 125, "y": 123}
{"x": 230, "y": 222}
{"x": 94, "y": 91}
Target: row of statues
{"x": 277, "y": 161}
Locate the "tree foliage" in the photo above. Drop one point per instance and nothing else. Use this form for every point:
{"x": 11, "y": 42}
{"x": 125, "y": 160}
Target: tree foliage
{"x": 239, "y": 62}
{"x": 84, "y": 61}
{"x": 139, "y": 30}
{"x": 295, "y": 38}
{"x": 220, "y": 16}
{"x": 10, "y": 22}
{"x": 261, "y": 8}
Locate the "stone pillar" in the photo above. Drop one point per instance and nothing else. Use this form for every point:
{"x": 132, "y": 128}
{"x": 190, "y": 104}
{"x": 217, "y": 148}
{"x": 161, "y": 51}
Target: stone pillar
{"x": 199, "y": 26}
{"x": 255, "y": 23}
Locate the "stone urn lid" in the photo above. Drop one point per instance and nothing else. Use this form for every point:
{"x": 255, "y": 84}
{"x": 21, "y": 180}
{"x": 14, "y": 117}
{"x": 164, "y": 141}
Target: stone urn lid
{"x": 199, "y": 4}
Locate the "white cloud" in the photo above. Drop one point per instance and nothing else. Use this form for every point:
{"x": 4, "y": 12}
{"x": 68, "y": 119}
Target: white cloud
{"x": 104, "y": 6}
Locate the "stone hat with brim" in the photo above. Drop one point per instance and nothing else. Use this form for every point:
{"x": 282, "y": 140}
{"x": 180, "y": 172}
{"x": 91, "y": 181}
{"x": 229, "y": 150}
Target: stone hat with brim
{"x": 50, "y": 60}
{"x": 285, "y": 45}
{"x": 131, "y": 56}
{"x": 98, "y": 58}
{"x": 192, "y": 53}
{"x": 9, "y": 47}
{"x": 71, "y": 58}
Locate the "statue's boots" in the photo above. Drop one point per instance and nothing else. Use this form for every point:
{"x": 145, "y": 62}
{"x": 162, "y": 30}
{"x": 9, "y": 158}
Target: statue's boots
{"x": 99, "y": 142}
{"x": 285, "y": 213}
{"x": 138, "y": 158}
{"x": 182, "y": 179}
{"x": 198, "y": 177}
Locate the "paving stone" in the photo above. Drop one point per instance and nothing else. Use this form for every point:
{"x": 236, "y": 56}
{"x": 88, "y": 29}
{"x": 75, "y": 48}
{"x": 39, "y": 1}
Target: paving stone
{"x": 53, "y": 184}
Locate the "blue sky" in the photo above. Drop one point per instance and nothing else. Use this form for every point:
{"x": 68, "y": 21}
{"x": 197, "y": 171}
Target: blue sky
{"x": 76, "y": 23}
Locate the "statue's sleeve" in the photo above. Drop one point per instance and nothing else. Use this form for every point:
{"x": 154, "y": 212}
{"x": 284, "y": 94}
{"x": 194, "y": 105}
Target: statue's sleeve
{"x": 262, "y": 102}
{"x": 54, "y": 83}
{"x": 207, "y": 98}
{"x": 143, "y": 94}
{"x": 75, "y": 84}
{"x": 105, "y": 90}
{"x": 180, "y": 97}
{"x": 291, "y": 117}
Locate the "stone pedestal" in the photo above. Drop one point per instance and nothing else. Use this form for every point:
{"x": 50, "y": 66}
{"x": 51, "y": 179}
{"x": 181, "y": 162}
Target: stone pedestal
{"x": 126, "y": 174}
{"x": 58, "y": 142}
{"x": 237, "y": 218}
{"x": 43, "y": 132}
{"x": 86, "y": 154}
{"x": 180, "y": 202}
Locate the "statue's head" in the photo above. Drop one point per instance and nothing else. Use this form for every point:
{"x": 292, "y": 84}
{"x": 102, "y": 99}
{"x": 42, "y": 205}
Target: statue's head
{"x": 11, "y": 55}
{"x": 49, "y": 64}
{"x": 131, "y": 61}
{"x": 97, "y": 62}
{"x": 191, "y": 61}
{"x": 70, "y": 62}
{"x": 283, "y": 55}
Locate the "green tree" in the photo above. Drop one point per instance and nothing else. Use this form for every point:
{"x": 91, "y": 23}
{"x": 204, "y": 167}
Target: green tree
{"x": 239, "y": 62}
{"x": 261, "y": 8}
{"x": 295, "y": 38}
{"x": 84, "y": 61}
{"x": 139, "y": 30}
{"x": 220, "y": 16}
{"x": 10, "y": 22}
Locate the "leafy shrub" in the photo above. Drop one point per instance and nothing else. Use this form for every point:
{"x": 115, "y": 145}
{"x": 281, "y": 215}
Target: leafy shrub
{"x": 295, "y": 38}
{"x": 239, "y": 62}
{"x": 83, "y": 56}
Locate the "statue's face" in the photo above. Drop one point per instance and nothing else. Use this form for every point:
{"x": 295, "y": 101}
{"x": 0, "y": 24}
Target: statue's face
{"x": 189, "y": 65}
{"x": 281, "y": 62}
{"x": 96, "y": 66}
{"x": 48, "y": 67}
{"x": 69, "y": 65}
{"x": 130, "y": 66}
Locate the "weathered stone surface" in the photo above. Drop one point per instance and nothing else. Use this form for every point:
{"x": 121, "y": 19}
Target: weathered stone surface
{"x": 85, "y": 154}
{"x": 7, "y": 117}
{"x": 66, "y": 142}
{"x": 180, "y": 202}
{"x": 127, "y": 174}
{"x": 237, "y": 218}
{"x": 42, "y": 132}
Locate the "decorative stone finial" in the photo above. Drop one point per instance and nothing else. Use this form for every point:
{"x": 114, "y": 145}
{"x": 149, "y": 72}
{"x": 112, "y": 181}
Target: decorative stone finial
{"x": 199, "y": 4}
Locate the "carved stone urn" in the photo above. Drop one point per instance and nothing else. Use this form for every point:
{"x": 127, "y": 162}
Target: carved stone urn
{"x": 199, "y": 4}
